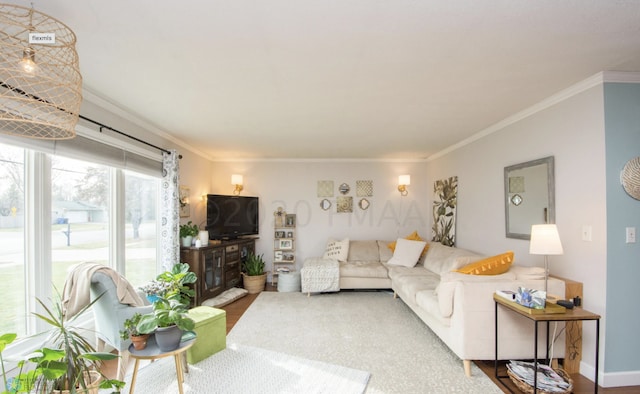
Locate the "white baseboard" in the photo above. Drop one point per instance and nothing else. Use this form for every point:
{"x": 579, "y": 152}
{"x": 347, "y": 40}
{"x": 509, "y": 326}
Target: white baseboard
{"x": 611, "y": 379}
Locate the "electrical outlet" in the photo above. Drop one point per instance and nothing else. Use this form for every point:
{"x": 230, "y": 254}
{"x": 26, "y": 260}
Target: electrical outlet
{"x": 586, "y": 233}
{"x": 631, "y": 235}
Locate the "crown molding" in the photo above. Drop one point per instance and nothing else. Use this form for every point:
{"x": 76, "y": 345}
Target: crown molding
{"x": 138, "y": 121}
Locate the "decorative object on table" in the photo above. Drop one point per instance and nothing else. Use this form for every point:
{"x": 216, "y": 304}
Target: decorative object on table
{"x": 325, "y": 189}
{"x": 183, "y": 199}
{"x": 630, "y": 178}
{"x": 254, "y": 277}
{"x": 187, "y": 232}
{"x": 364, "y": 188}
{"x": 40, "y": 74}
{"x": 344, "y": 204}
{"x": 531, "y": 298}
{"x": 131, "y": 332}
{"x": 278, "y": 217}
{"x": 549, "y": 380}
{"x": 168, "y": 321}
{"x": 445, "y": 202}
{"x": 545, "y": 240}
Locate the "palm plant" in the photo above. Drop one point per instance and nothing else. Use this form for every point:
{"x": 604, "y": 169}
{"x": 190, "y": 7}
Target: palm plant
{"x": 79, "y": 360}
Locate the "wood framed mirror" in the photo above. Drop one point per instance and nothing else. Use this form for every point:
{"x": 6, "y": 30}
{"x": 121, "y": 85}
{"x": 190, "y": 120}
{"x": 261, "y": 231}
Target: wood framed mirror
{"x": 529, "y": 196}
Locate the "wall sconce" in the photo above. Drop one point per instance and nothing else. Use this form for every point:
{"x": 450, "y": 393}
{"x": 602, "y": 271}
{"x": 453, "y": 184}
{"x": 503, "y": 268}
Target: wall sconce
{"x": 403, "y": 182}
{"x": 236, "y": 180}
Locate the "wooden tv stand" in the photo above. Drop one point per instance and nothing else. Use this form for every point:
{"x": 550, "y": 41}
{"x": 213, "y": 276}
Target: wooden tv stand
{"x": 217, "y": 265}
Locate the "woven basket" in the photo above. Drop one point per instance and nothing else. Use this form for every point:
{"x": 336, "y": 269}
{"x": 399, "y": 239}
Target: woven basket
{"x": 528, "y": 389}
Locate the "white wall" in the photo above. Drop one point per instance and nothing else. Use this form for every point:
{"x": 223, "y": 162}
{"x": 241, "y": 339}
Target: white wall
{"x": 573, "y": 132}
{"x": 293, "y": 186}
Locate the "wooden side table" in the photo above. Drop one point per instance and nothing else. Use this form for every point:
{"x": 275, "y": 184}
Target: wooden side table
{"x": 152, "y": 352}
{"x": 570, "y": 315}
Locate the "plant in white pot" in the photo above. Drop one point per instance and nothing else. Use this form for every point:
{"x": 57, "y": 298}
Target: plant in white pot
{"x": 253, "y": 276}
{"x": 187, "y": 232}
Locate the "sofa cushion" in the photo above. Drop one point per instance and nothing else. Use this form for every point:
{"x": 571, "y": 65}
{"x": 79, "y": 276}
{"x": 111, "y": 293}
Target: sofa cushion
{"x": 398, "y": 270}
{"x": 407, "y": 252}
{"x": 427, "y": 300}
{"x": 385, "y": 253}
{"x": 337, "y": 250}
{"x": 411, "y": 284}
{"x": 442, "y": 259}
{"x": 363, "y": 251}
{"x": 414, "y": 236}
{"x": 363, "y": 269}
{"x": 494, "y": 265}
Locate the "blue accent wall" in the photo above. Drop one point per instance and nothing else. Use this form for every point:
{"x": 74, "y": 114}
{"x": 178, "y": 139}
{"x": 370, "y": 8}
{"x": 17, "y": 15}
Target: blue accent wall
{"x": 622, "y": 139}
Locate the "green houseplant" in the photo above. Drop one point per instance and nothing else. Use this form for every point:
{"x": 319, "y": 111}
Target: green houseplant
{"x": 79, "y": 360}
{"x": 253, "y": 276}
{"x": 187, "y": 232}
{"x": 131, "y": 332}
{"x": 168, "y": 320}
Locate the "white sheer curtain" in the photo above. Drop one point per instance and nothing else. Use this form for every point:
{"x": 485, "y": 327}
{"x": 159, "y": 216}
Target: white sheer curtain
{"x": 169, "y": 236}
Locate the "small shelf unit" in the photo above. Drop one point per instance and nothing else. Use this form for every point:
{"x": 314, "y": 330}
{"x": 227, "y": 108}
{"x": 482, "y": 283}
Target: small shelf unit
{"x": 284, "y": 244}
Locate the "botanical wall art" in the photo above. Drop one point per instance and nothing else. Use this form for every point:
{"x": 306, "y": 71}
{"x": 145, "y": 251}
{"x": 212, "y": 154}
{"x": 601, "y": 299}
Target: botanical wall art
{"x": 184, "y": 202}
{"x": 445, "y": 194}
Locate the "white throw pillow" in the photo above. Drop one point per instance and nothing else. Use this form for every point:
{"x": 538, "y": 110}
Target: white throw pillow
{"x": 407, "y": 252}
{"x": 337, "y": 250}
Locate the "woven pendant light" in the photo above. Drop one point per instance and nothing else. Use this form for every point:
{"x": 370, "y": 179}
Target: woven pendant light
{"x": 40, "y": 82}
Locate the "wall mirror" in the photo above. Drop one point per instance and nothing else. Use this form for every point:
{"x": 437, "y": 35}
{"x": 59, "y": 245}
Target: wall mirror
{"x": 529, "y": 193}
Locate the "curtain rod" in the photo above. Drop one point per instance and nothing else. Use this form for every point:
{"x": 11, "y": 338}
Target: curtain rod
{"x": 122, "y": 133}
{"x": 34, "y": 97}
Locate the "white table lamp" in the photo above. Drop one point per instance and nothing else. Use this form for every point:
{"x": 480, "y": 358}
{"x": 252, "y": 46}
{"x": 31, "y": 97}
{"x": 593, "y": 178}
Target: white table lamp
{"x": 545, "y": 240}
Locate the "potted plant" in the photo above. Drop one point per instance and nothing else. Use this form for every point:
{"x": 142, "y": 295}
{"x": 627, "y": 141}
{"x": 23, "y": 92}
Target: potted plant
{"x": 80, "y": 362}
{"x": 253, "y": 276}
{"x": 47, "y": 365}
{"x": 168, "y": 320}
{"x": 131, "y": 332}
{"x": 187, "y": 232}
{"x": 171, "y": 283}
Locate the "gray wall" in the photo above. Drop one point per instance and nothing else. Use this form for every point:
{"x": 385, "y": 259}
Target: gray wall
{"x": 622, "y": 123}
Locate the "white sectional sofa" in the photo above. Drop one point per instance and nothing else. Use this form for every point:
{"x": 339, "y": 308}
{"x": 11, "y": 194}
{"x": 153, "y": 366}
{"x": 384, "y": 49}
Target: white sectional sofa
{"x": 457, "y": 307}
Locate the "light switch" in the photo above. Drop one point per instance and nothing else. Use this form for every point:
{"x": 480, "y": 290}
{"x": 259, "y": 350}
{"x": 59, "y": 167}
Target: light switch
{"x": 586, "y": 233}
{"x": 631, "y": 235}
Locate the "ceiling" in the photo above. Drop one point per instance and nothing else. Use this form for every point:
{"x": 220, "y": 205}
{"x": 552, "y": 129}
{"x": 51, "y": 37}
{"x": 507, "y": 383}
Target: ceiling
{"x": 330, "y": 79}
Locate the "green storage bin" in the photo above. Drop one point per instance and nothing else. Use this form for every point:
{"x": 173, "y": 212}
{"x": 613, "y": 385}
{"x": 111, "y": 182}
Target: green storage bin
{"x": 211, "y": 331}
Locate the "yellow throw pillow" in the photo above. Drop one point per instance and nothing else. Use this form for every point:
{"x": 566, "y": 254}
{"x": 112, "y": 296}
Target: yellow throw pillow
{"x": 494, "y": 265}
{"x": 414, "y": 236}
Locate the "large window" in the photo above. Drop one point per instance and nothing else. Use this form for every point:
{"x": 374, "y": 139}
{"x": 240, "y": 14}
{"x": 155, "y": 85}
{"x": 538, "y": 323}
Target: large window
{"x": 70, "y": 210}
{"x": 12, "y": 261}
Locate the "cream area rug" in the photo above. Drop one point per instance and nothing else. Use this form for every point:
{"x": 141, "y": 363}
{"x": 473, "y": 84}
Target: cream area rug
{"x": 246, "y": 370}
{"x": 366, "y": 331}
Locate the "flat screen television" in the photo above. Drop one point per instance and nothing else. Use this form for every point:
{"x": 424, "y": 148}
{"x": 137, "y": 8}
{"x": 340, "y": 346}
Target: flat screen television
{"x": 230, "y": 217}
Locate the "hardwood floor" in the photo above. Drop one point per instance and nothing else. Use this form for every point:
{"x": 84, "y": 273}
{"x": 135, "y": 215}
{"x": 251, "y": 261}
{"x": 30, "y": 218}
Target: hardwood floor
{"x": 581, "y": 385}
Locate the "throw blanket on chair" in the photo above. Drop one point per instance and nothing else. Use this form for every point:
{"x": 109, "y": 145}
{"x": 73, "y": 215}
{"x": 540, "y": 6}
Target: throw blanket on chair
{"x": 76, "y": 293}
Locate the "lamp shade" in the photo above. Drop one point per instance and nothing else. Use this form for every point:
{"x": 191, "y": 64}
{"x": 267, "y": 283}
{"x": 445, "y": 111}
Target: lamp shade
{"x": 40, "y": 81}
{"x": 545, "y": 240}
{"x": 236, "y": 179}
{"x": 404, "y": 180}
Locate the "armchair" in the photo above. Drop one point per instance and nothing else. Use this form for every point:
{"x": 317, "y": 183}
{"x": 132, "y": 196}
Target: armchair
{"x": 109, "y": 314}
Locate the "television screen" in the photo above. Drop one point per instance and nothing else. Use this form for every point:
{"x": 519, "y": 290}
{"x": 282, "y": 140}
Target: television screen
{"x": 231, "y": 217}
